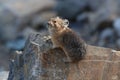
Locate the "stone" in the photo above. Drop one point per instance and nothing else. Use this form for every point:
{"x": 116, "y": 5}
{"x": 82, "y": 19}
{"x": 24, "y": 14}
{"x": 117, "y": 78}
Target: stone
{"x": 69, "y": 8}
{"x": 118, "y": 43}
{"x": 4, "y": 75}
{"x": 116, "y": 26}
{"x": 106, "y": 36}
{"x": 39, "y": 61}
{"x": 17, "y": 44}
{"x": 82, "y": 18}
{"x": 4, "y": 58}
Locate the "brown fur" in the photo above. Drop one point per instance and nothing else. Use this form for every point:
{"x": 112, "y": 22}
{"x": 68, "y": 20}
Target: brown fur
{"x": 67, "y": 39}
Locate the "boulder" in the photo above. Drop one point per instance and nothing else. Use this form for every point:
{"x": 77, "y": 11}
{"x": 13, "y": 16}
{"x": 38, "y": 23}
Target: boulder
{"x": 39, "y": 61}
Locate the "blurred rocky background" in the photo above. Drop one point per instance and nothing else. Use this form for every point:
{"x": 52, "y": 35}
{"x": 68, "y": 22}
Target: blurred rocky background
{"x": 97, "y": 21}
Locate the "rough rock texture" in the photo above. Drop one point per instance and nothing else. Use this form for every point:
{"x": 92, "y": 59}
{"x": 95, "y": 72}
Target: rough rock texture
{"x": 40, "y": 62}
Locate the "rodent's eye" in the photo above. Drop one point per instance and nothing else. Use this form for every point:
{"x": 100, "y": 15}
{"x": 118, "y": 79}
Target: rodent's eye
{"x": 66, "y": 22}
{"x": 54, "y": 21}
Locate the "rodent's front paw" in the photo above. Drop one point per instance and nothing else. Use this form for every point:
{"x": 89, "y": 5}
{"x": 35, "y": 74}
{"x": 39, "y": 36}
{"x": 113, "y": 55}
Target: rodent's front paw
{"x": 46, "y": 38}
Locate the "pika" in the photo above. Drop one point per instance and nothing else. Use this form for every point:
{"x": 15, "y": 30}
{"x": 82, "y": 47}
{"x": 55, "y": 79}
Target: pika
{"x": 65, "y": 38}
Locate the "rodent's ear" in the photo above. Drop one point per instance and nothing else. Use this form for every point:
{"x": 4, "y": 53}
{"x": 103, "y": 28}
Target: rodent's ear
{"x": 66, "y": 22}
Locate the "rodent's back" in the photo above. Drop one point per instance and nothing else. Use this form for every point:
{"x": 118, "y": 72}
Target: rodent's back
{"x": 72, "y": 44}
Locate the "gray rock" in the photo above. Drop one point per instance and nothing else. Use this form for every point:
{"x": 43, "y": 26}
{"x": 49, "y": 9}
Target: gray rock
{"x": 82, "y": 17}
{"x": 118, "y": 43}
{"x": 16, "y": 44}
{"x": 108, "y": 32}
{"x": 106, "y": 36}
{"x": 4, "y": 75}
{"x": 70, "y": 8}
{"x": 116, "y": 25}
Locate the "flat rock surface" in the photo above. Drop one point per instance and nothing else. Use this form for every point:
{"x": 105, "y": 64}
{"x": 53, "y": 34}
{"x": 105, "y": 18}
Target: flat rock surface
{"x": 98, "y": 64}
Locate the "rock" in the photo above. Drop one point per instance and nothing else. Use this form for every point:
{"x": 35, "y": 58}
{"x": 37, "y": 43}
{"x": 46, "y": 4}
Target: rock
{"x": 106, "y": 36}
{"x": 4, "y": 58}
{"x": 118, "y": 43}
{"x": 69, "y": 8}
{"x": 15, "y": 65}
{"x": 40, "y": 62}
{"x": 17, "y": 44}
{"x": 4, "y": 75}
{"x": 117, "y": 26}
{"x": 82, "y": 18}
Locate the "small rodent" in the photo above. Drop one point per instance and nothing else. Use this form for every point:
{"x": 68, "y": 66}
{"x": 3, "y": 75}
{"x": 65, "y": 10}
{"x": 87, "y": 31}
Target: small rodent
{"x": 62, "y": 36}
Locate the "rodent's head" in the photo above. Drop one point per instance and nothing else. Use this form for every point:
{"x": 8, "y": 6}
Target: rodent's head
{"x": 57, "y": 24}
